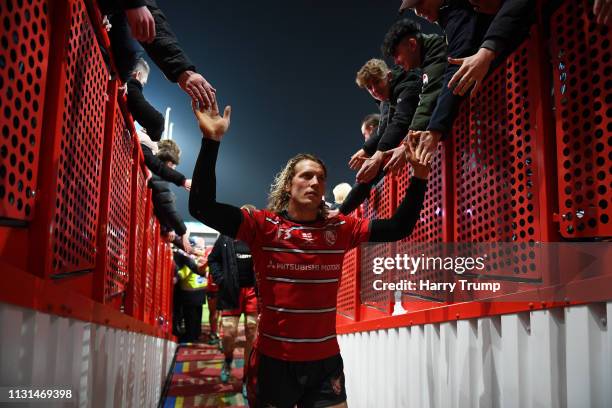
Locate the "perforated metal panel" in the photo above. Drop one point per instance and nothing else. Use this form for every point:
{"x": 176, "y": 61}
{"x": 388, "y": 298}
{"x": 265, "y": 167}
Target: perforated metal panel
{"x": 431, "y": 224}
{"x": 139, "y": 245}
{"x": 78, "y": 187}
{"x": 348, "y": 283}
{"x": 582, "y": 73}
{"x": 380, "y": 204}
{"x": 157, "y": 287}
{"x": 495, "y": 173}
{"x": 119, "y": 211}
{"x": 24, "y": 50}
{"x": 166, "y": 281}
{"x": 149, "y": 260}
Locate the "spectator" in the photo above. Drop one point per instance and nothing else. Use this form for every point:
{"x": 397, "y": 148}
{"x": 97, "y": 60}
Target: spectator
{"x": 191, "y": 293}
{"x": 341, "y": 191}
{"x": 161, "y": 169}
{"x": 163, "y": 199}
{"x": 144, "y": 21}
{"x": 369, "y": 125}
{"x": 297, "y": 252}
{"x": 142, "y": 111}
{"x": 397, "y": 92}
{"x": 231, "y": 266}
{"x": 410, "y": 48}
{"x": 474, "y": 40}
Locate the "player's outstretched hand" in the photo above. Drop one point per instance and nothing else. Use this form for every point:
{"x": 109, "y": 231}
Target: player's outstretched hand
{"x": 212, "y": 125}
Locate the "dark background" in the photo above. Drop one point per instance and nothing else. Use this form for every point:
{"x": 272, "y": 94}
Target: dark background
{"x": 288, "y": 70}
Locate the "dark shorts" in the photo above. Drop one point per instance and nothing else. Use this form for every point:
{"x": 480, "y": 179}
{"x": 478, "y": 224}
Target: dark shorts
{"x": 285, "y": 384}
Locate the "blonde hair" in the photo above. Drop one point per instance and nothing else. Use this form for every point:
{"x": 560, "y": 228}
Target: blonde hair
{"x": 373, "y": 70}
{"x": 340, "y": 192}
{"x": 278, "y": 199}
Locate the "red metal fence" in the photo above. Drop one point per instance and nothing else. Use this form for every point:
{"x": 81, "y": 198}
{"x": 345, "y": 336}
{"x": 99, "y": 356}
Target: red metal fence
{"x": 523, "y": 164}
{"x": 76, "y": 220}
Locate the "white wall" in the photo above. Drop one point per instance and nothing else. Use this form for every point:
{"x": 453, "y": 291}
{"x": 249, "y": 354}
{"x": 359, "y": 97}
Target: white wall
{"x": 104, "y": 367}
{"x": 540, "y": 359}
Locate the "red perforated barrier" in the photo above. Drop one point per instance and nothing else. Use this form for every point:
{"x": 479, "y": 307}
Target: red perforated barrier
{"x": 66, "y": 217}
{"x": 158, "y": 280}
{"x": 347, "y": 295}
{"x": 112, "y": 271}
{"x": 149, "y": 260}
{"x": 501, "y": 171}
{"x": 23, "y": 75}
{"x": 138, "y": 249}
{"x": 166, "y": 283}
{"x": 582, "y": 72}
{"x": 433, "y": 223}
{"x": 380, "y": 204}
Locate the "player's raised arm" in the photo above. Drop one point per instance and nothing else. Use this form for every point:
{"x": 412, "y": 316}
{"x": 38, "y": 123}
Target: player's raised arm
{"x": 203, "y": 203}
{"x": 401, "y": 224}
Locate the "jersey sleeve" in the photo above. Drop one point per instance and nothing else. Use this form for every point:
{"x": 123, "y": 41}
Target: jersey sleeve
{"x": 249, "y": 226}
{"x": 359, "y": 230}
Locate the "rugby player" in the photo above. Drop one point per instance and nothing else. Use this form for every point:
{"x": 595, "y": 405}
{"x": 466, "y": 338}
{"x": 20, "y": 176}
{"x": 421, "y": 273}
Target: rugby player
{"x": 297, "y": 253}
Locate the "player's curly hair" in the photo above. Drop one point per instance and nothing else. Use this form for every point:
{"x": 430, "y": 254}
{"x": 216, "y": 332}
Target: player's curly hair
{"x": 168, "y": 151}
{"x": 398, "y": 31}
{"x": 278, "y": 199}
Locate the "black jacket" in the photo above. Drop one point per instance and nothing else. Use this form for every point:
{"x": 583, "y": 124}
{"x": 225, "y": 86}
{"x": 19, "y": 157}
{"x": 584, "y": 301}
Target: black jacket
{"x": 433, "y": 57}
{"x": 223, "y": 265}
{"x": 165, "y": 49}
{"x": 396, "y": 113}
{"x": 466, "y": 31}
{"x": 159, "y": 168}
{"x": 164, "y": 206}
{"x": 143, "y": 112}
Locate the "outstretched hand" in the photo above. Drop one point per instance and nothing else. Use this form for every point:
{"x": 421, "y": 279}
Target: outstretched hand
{"x": 212, "y": 125}
{"x": 471, "y": 72}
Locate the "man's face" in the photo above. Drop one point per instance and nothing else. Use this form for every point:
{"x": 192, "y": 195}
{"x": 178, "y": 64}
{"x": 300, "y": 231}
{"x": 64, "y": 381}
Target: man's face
{"x": 428, "y": 9}
{"x": 379, "y": 89}
{"x": 308, "y": 184}
{"x": 407, "y": 54}
{"x": 366, "y": 130}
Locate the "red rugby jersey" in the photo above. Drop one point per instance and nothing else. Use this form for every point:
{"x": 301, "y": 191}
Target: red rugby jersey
{"x": 298, "y": 269}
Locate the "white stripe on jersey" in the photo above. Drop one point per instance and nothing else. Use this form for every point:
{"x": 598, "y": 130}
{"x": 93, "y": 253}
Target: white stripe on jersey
{"x": 286, "y": 310}
{"x": 291, "y": 280}
{"x": 291, "y": 340}
{"x": 304, "y": 251}
{"x": 305, "y": 227}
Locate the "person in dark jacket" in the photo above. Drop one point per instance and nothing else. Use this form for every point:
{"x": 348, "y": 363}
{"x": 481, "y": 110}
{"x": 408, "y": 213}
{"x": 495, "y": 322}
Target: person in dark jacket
{"x": 397, "y": 92}
{"x": 191, "y": 293}
{"x": 231, "y": 267}
{"x": 475, "y": 41}
{"x": 163, "y": 199}
{"x": 141, "y": 110}
{"x": 144, "y": 21}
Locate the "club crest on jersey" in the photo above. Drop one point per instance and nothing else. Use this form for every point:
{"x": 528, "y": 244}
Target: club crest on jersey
{"x": 330, "y": 237}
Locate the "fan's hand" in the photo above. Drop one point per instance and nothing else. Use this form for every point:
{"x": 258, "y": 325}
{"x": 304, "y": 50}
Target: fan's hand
{"x": 212, "y": 125}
